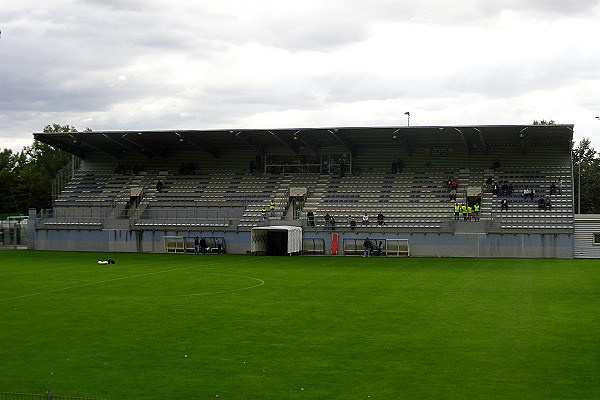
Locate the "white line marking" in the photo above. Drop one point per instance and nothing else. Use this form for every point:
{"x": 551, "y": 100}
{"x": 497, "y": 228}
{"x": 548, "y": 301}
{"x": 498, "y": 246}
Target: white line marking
{"x": 261, "y": 282}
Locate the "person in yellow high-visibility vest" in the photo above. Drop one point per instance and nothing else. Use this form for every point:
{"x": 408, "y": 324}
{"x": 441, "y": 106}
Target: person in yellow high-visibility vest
{"x": 272, "y": 208}
{"x": 476, "y": 208}
{"x": 456, "y": 211}
{"x": 463, "y": 209}
{"x": 263, "y": 213}
{"x": 469, "y": 212}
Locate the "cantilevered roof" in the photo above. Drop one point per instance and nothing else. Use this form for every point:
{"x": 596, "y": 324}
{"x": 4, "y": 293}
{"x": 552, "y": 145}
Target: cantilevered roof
{"x": 161, "y": 143}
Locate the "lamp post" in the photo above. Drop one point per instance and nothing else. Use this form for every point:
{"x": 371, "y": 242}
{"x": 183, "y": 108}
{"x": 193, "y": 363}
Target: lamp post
{"x": 408, "y": 118}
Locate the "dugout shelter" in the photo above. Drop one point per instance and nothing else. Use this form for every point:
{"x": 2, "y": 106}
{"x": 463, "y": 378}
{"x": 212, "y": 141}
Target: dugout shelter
{"x": 276, "y": 240}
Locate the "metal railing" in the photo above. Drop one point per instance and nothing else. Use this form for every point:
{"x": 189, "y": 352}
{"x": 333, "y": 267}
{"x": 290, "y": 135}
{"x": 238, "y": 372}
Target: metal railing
{"x": 64, "y": 176}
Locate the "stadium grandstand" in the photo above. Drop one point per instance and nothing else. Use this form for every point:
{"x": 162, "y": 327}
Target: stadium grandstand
{"x": 155, "y": 191}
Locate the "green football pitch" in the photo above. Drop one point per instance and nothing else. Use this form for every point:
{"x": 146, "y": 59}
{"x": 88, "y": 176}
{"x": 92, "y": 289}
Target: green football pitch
{"x": 166, "y": 326}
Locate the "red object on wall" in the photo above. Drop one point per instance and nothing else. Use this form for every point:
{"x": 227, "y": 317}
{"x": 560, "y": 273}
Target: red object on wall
{"x": 334, "y": 243}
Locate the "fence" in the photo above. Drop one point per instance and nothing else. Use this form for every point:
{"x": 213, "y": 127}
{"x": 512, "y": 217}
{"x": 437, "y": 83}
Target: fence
{"x": 13, "y": 234}
{"x": 45, "y": 396}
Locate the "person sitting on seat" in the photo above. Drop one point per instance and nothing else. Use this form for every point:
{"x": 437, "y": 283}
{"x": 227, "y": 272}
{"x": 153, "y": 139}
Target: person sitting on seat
{"x": 542, "y": 203}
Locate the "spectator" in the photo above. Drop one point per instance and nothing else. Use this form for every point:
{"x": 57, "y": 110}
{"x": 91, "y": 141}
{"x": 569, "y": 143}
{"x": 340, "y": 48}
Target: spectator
{"x": 203, "y": 245}
{"x": 311, "y": 218}
{"x": 380, "y": 218}
{"x": 454, "y": 184}
{"x": 541, "y": 203}
{"x": 159, "y": 186}
{"x": 196, "y": 245}
{"x": 332, "y": 223}
{"x": 559, "y": 184}
{"x": 489, "y": 182}
{"x": 504, "y": 204}
{"x": 365, "y": 219}
{"x": 353, "y": 224}
{"x": 510, "y": 189}
{"x": 453, "y": 194}
{"x": 379, "y": 248}
{"x": 552, "y": 188}
{"x": 219, "y": 245}
{"x": 327, "y": 220}
{"x": 548, "y": 203}
{"x": 349, "y": 220}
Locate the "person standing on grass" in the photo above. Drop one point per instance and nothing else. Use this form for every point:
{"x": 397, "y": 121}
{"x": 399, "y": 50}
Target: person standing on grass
{"x": 196, "y": 245}
{"x": 203, "y": 245}
{"x": 367, "y": 247}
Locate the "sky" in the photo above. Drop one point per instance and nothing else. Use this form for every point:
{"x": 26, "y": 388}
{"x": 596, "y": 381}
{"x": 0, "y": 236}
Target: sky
{"x": 233, "y": 64}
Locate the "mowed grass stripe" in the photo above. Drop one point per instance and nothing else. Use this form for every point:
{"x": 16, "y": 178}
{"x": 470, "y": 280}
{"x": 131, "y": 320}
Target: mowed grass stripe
{"x": 319, "y": 327}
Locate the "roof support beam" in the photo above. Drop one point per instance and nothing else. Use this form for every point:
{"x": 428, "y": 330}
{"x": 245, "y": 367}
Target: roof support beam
{"x": 400, "y": 135}
{"x": 465, "y": 141}
{"x": 244, "y": 137}
{"x": 126, "y": 145}
{"x": 308, "y": 142}
{"x": 110, "y": 152}
{"x": 523, "y": 140}
{"x": 483, "y": 141}
{"x": 341, "y": 139}
{"x": 143, "y": 148}
{"x": 286, "y": 144}
{"x": 75, "y": 150}
{"x": 201, "y": 145}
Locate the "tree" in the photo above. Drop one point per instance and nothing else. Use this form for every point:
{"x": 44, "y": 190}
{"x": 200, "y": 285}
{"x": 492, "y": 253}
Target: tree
{"x": 586, "y": 173}
{"x": 26, "y": 177}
